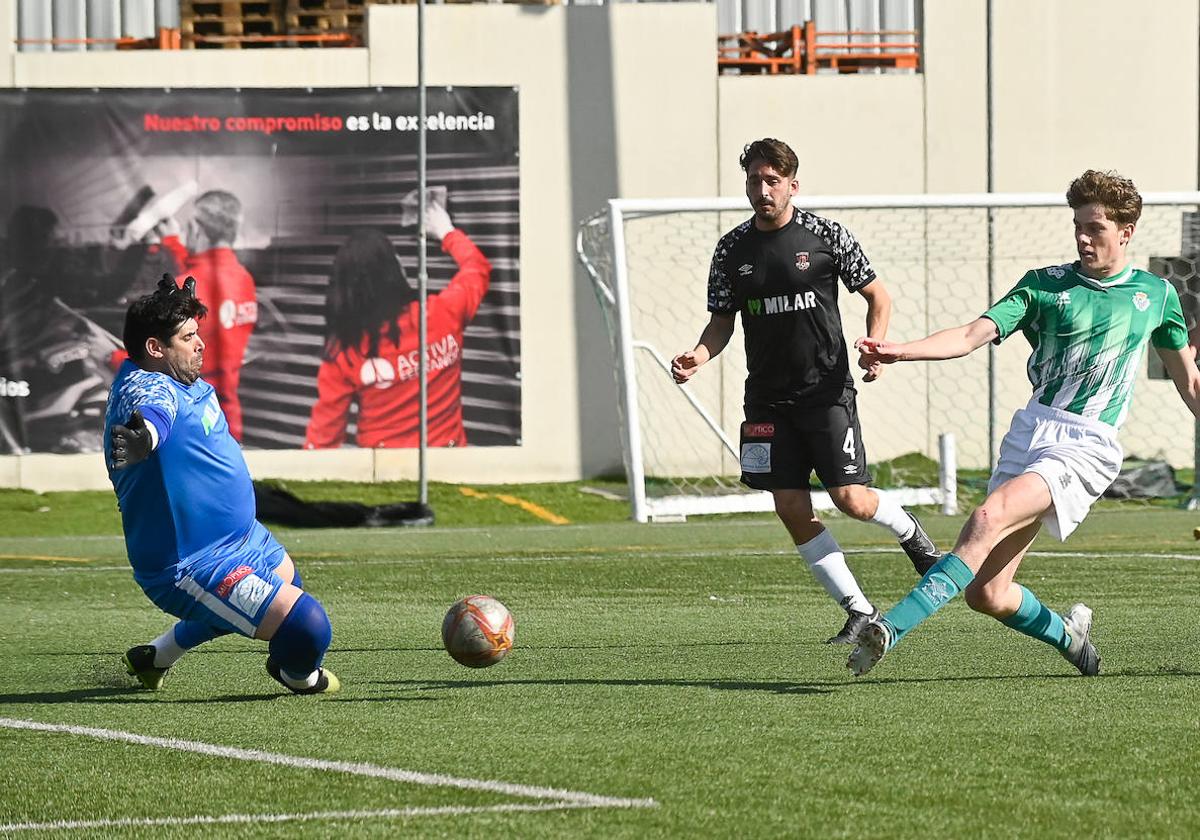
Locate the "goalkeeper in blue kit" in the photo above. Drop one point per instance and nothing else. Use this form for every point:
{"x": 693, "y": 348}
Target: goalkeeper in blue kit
{"x": 1088, "y": 324}
{"x": 188, "y": 512}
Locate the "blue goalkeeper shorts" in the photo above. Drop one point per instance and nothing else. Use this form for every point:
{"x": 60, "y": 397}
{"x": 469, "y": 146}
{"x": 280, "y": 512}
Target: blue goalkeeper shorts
{"x": 231, "y": 590}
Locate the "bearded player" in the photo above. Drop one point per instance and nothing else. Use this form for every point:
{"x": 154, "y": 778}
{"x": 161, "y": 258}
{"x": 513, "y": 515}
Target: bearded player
{"x": 780, "y": 270}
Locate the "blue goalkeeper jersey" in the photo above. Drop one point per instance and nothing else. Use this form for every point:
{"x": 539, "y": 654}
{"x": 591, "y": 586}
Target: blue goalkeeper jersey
{"x": 193, "y": 497}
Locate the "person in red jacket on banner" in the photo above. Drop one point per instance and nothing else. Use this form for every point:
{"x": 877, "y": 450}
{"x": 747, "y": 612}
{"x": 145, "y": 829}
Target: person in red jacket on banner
{"x": 371, "y": 346}
{"x": 226, "y": 288}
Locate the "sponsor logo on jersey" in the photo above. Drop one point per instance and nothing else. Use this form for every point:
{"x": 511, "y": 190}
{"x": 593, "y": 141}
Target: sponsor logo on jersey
{"x": 232, "y": 313}
{"x": 380, "y": 373}
{"x": 13, "y": 387}
{"x": 212, "y": 412}
{"x": 1141, "y": 301}
{"x": 231, "y": 579}
{"x": 780, "y": 304}
{"x": 745, "y": 270}
{"x": 757, "y": 430}
{"x": 756, "y": 458}
{"x": 1063, "y": 299}
{"x": 249, "y": 593}
{"x": 1058, "y": 272}
{"x": 802, "y": 260}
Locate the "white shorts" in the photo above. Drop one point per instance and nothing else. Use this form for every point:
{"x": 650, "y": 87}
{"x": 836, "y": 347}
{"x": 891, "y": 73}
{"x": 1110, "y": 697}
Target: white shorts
{"x": 1078, "y": 457}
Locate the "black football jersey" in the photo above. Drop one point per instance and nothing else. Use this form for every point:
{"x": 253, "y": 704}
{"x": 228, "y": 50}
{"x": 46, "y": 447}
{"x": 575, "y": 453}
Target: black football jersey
{"x": 785, "y": 285}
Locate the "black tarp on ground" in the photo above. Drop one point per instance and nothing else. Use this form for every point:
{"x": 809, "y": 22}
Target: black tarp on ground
{"x": 278, "y": 506}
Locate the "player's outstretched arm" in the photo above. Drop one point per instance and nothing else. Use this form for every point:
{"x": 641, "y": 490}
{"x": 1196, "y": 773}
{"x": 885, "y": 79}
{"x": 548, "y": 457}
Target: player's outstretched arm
{"x": 131, "y": 443}
{"x": 879, "y": 314}
{"x": 712, "y": 341}
{"x": 1181, "y": 367}
{"x": 945, "y": 344}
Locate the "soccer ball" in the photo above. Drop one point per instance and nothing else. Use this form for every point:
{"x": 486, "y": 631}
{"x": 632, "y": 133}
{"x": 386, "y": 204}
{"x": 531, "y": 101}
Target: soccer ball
{"x": 478, "y": 631}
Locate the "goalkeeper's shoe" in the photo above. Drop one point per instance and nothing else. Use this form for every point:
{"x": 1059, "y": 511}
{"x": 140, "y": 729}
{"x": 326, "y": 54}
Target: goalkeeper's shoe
{"x": 919, "y": 548}
{"x": 855, "y": 622}
{"x": 327, "y": 681}
{"x": 873, "y": 642}
{"x": 139, "y": 662}
{"x": 1081, "y": 652}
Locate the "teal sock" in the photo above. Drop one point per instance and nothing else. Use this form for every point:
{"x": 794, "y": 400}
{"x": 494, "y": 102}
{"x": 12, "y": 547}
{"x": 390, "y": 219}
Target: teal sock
{"x": 1036, "y": 620}
{"x": 941, "y": 583}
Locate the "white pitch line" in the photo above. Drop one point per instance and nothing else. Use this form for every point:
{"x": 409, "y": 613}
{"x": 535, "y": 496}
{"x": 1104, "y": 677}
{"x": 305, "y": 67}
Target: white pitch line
{"x": 241, "y": 819}
{"x": 395, "y": 774}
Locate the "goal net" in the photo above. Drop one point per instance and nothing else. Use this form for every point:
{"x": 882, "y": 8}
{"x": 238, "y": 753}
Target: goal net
{"x": 944, "y": 258}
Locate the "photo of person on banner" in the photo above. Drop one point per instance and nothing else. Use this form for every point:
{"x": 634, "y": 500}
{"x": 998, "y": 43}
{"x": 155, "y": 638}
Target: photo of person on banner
{"x": 107, "y": 190}
{"x": 371, "y": 348}
{"x": 223, "y": 285}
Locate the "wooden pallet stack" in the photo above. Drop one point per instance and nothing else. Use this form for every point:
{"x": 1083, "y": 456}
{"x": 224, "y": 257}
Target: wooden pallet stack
{"x": 316, "y": 17}
{"x": 229, "y": 24}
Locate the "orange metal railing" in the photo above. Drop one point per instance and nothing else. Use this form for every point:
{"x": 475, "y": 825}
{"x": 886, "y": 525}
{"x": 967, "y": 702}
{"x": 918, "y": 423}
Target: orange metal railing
{"x": 802, "y": 49}
{"x": 165, "y": 39}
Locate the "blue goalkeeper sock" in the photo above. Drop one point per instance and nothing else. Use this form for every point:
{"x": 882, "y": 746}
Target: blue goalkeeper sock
{"x": 190, "y": 634}
{"x": 1036, "y": 620}
{"x": 941, "y": 583}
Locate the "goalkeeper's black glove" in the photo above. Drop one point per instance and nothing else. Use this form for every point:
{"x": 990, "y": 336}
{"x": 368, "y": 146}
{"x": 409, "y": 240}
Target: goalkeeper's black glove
{"x": 167, "y": 286}
{"x": 132, "y": 443}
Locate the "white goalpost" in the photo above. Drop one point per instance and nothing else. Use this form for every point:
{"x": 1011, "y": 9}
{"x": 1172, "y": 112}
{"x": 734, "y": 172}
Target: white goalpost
{"x": 945, "y": 258}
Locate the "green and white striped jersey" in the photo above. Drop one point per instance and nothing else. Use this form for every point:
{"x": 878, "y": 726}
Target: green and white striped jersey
{"x": 1089, "y": 336}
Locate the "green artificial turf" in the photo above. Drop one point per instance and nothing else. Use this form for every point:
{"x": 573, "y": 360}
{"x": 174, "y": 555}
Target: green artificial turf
{"x": 681, "y": 663}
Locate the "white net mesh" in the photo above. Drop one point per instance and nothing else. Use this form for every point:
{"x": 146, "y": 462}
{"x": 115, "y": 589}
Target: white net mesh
{"x": 934, "y": 261}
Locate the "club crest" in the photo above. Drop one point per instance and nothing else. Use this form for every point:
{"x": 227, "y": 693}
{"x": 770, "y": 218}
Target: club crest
{"x": 1141, "y": 301}
{"x": 802, "y": 260}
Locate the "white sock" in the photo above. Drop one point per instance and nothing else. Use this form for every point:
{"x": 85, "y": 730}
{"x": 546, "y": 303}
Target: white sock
{"x": 166, "y": 650}
{"x": 893, "y": 517}
{"x": 306, "y": 682}
{"x": 828, "y": 565}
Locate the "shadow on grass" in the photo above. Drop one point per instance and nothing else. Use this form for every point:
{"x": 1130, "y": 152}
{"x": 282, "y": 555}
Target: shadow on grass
{"x": 124, "y": 696}
{"x": 721, "y": 685}
{"x": 777, "y": 687}
{"x": 206, "y": 651}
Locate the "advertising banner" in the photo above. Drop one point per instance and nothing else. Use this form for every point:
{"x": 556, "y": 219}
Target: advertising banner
{"x": 296, "y": 212}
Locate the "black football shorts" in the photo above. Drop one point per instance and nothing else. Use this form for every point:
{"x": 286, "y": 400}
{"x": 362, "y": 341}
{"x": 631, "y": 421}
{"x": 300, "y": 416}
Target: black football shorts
{"x": 781, "y": 445}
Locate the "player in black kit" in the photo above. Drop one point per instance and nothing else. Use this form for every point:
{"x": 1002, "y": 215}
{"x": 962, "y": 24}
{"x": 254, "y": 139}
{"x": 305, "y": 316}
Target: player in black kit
{"x": 780, "y": 270}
